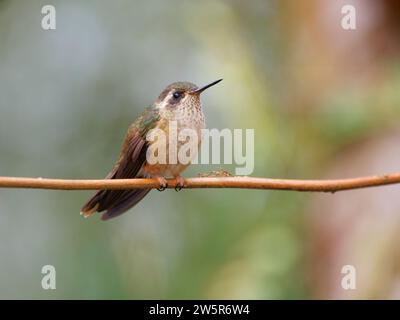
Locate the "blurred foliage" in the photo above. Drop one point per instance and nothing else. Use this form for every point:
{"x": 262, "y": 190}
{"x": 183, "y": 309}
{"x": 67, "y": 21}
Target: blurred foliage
{"x": 68, "y": 95}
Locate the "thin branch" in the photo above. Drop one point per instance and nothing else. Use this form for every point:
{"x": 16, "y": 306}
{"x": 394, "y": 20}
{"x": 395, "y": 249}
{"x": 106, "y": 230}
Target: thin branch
{"x": 208, "y": 182}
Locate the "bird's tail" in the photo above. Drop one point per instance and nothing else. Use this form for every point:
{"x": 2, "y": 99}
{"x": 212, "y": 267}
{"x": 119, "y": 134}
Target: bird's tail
{"x": 114, "y": 202}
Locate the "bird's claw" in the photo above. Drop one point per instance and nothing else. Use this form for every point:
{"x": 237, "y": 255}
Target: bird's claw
{"x": 180, "y": 183}
{"x": 163, "y": 183}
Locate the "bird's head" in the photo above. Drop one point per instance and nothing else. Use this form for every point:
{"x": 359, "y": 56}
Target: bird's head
{"x": 181, "y": 95}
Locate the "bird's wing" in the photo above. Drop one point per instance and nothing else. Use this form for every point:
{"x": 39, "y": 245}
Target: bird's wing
{"x": 132, "y": 158}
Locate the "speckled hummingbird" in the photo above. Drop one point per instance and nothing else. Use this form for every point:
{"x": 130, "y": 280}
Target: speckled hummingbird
{"x": 179, "y": 102}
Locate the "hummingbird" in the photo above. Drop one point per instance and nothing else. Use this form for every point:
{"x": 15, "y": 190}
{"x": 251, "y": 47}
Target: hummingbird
{"x": 179, "y": 102}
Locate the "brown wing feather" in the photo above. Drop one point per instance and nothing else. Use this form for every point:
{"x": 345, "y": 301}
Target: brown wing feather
{"x": 131, "y": 160}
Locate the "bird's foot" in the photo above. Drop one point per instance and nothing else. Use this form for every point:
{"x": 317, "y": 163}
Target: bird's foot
{"x": 180, "y": 183}
{"x": 163, "y": 183}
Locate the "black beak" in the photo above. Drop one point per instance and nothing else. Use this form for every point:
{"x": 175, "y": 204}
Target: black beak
{"x": 200, "y": 90}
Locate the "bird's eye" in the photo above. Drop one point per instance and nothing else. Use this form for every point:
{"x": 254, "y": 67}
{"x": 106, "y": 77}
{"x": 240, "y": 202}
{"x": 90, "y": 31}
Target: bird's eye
{"x": 177, "y": 95}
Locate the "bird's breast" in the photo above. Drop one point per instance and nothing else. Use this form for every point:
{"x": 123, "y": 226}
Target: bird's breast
{"x": 182, "y": 139}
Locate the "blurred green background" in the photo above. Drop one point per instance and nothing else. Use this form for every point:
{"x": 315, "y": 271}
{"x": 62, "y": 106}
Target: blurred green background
{"x": 324, "y": 102}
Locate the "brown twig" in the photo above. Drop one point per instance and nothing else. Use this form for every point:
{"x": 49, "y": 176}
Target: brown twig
{"x": 207, "y": 182}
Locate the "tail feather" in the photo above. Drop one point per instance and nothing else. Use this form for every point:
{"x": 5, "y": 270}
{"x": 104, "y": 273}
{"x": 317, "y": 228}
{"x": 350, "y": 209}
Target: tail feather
{"x": 114, "y": 202}
{"x": 126, "y": 203}
{"x": 92, "y": 206}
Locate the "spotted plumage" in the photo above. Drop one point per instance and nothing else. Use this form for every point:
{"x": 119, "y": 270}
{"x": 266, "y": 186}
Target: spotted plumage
{"x": 179, "y": 102}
